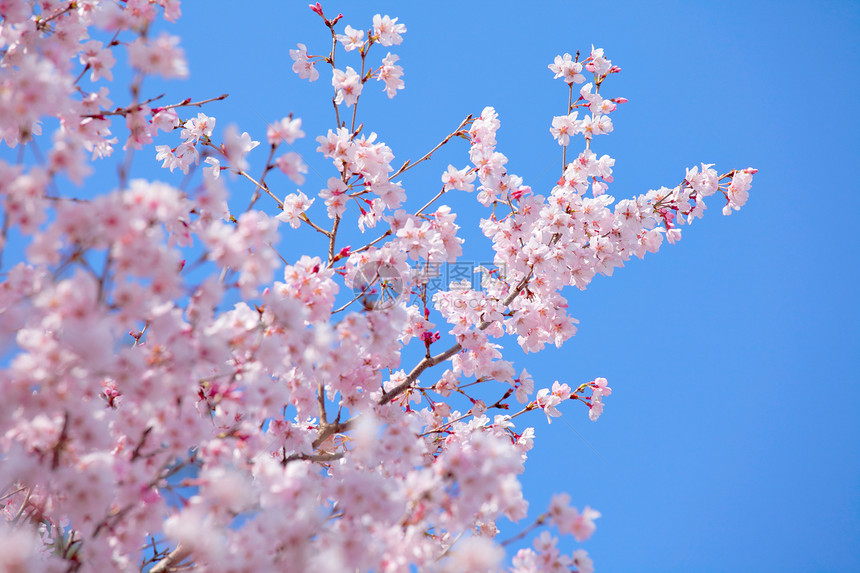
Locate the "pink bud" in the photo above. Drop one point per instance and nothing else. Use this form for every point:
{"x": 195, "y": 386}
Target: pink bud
{"x": 524, "y": 190}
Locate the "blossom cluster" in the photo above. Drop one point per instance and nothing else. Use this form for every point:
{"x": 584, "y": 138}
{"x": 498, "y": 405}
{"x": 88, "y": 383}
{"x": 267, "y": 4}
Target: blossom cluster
{"x": 179, "y": 394}
{"x": 348, "y": 83}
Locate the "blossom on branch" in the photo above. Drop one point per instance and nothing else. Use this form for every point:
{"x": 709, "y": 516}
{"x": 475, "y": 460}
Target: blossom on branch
{"x": 221, "y": 374}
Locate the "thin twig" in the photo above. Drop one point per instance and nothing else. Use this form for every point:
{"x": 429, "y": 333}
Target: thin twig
{"x": 540, "y": 521}
{"x": 137, "y": 106}
{"x": 174, "y": 557}
{"x": 262, "y": 186}
{"x": 407, "y": 166}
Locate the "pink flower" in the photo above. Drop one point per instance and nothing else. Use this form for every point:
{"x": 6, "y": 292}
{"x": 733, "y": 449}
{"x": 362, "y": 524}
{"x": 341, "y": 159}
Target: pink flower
{"x": 166, "y": 120}
{"x": 583, "y": 526}
{"x": 524, "y": 386}
{"x": 548, "y": 402}
{"x": 165, "y": 154}
{"x": 371, "y": 216}
{"x": 236, "y": 147}
{"x": 569, "y": 520}
{"x": 214, "y": 169}
{"x": 348, "y": 86}
{"x": 583, "y": 562}
{"x": 294, "y": 206}
{"x": 303, "y": 66}
{"x": 335, "y": 197}
{"x": 596, "y": 409}
{"x": 99, "y": 60}
{"x": 196, "y": 128}
{"x": 141, "y": 131}
{"x": 737, "y": 192}
{"x": 461, "y": 180}
{"x": 21, "y": 549}
{"x": 161, "y": 56}
{"x": 447, "y": 384}
{"x": 596, "y": 125}
{"x": 598, "y": 65}
{"x": 292, "y": 165}
{"x": 704, "y": 183}
{"x": 387, "y": 31}
{"x": 600, "y": 387}
{"x": 596, "y": 104}
{"x": 565, "y": 67}
{"x": 565, "y": 126}
{"x": 351, "y": 39}
{"x": 15, "y": 11}
{"x": 287, "y": 129}
{"x": 390, "y": 74}
{"x": 474, "y": 554}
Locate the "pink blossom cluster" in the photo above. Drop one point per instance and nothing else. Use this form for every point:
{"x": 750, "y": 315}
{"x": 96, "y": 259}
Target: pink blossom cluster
{"x": 179, "y": 394}
{"x": 348, "y": 83}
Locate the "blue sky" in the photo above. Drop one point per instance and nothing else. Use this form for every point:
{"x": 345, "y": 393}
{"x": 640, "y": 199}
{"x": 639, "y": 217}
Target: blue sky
{"x": 731, "y": 441}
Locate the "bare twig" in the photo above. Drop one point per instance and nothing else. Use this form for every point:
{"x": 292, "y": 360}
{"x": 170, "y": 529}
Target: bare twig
{"x": 262, "y": 186}
{"x": 136, "y": 106}
{"x": 407, "y": 166}
{"x": 173, "y": 558}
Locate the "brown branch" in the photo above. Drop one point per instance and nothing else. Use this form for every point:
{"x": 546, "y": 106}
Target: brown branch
{"x": 262, "y": 186}
{"x": 315, "y": 227}
{"x": 373, "y": 242}
{"x": 321, "y": 458}
{"x": 134, "y": 107}
{"x": 407, "y": 166}
{"x": 174, "y": 557}
{"x": 188, "y": 103}
{"x": 431, "y": 201}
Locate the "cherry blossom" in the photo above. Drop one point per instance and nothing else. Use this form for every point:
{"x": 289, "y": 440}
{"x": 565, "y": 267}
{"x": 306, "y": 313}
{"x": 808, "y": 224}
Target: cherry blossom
{"x": 287, "y": 129}
{"x": 294, "y": 206}
{"x": 292, "y": 165}
{"x": 348, "y": 86}
{"x": 351, "y": 38}
{"x": 390, "y": 74}
{"x": 303, "y": 66}
{"x": 160, "y": 56}
{"x": 565, "y": 67}
{"x": 98, "y": 59}
{"x": 237, "y": 146}
{"x": 196, "y": 128}
{"x": 458, "y": 179}
{"x": 387, "y": 31}
{"x": 179, "y": 391}
{"x": 565, "y": 126}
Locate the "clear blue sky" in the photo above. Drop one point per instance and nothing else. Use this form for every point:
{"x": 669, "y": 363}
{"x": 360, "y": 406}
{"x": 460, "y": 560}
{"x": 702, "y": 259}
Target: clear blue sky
{"x": 731, "y": 441}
